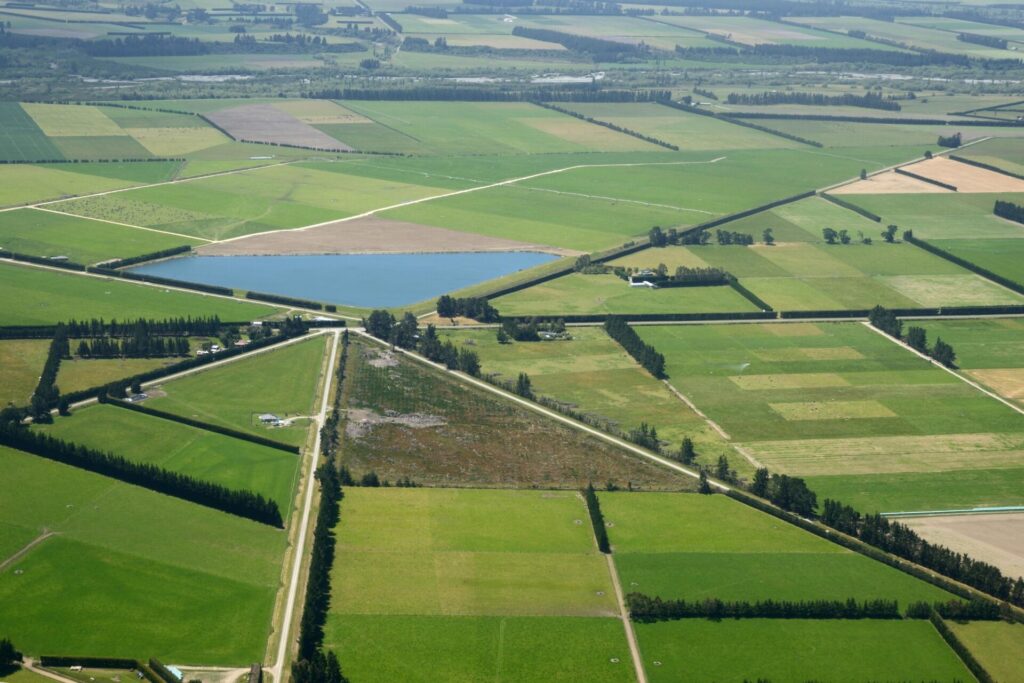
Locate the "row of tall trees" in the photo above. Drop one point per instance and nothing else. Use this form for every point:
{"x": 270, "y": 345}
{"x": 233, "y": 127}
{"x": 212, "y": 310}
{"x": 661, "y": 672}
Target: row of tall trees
{"x": 917, "y": 338}
{"x": 646, "y": 609}
{"x": 1009, "y": 211}
{"x": 451, "y": 356}
{"x": 870, "y": 100}
{"x": 645, "y": 354}
{"x": 142, "y": 346}
{"x": 476, "y": 307}
{"x": 611, "y": 126}
{"x": 789, "y": 493}
{"x": 729, "y": 237}
{"x": 597, "y": 519}
{"x": 46, "y": 393}
{"x": 564, "y": 93}
{"x": 978, "y": 39}
{"x": 247, "y": 504}
{"x": 183, "y": 327}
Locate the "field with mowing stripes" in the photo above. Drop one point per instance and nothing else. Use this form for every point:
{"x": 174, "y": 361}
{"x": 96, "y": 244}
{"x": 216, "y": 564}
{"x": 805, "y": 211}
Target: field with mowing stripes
{"x": 135, "y": 553}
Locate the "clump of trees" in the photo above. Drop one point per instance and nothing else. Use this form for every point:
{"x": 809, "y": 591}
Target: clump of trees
{"x": 1009, "y": 211}
{"x": 645, "y": 354}
{"x": 432, "y": 348}
{"x": 477, "y": 308}
{"x": 953, "y": 140}
{"x": 728, "y": 237}
{"x": 885, "y": 320}
{"x": 9, "y": 657}
{"x": 916, "y": 338}
{"x": 683, "y": 276}
{"x": 871, "y": 100}
{"x": 645, "y": 435}
{"x": 789, "y": 493}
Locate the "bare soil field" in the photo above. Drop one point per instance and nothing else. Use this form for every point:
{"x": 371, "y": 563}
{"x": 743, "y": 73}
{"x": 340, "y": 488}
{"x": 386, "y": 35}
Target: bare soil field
{"x": 964, "y": 177}
{"x": 889, "y": 182}
{"x": 995, "y": 538}
{"x": 265, "y": 123}
{"x": 369, "y": 235}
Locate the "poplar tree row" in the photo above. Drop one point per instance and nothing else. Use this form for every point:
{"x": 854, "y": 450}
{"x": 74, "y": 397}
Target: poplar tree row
{"x": 645, "y": 354}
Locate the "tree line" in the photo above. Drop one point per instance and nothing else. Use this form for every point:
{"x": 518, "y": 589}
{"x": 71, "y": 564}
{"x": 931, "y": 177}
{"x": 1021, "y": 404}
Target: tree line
{"x": 789, "y": 493}
{"x": 917, "y": 338}
{"x": 646, "y": 609}
{"x": 405, "y": 334}
{"x": 908, "y": 236}
{"x": 598, "y": 49}
{"x": 683, "y": 276}
{"x": 138, "y": 346}
{"x": 828, "y": 55}
{"x": 238, "y": 502}
{"x": 1009, "y": 211}
{"x": 152, "y": 256}
{"x": 476, "y": 307}
{"x": 567, "y": 93}
{"x": 597, "y": 519}
{"x": 645, "y": 354}
{"x": 871, "y": 100}
{"x": 46, "y": 393}
{"x": 988, "y": 41}
{"x": 610, "y": 126}
{"x": 209, "y": 326}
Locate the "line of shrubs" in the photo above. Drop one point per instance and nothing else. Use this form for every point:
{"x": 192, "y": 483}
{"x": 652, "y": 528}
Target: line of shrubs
{"x": 748, "y": 295}
{"x": 42, "y": 260}
{"x": 644, "y": 354}
{"x": 597, "y": 519}
{"x": 852, "y": 207}
{"x": 610, "y": 126}
{"x": 246, "y": 504}
{"x": 646, "y": 609}
{"x": 966, "y": 656}
{"x": 156, "y": 280}
{"x": 908, "y": 236}
{"x": 153, "y": 256}
{"x": 87, "y": 161}
{"x": 199, "y": 424}
{"x": 285, "y": 300}
{"x": 925, "y": 179}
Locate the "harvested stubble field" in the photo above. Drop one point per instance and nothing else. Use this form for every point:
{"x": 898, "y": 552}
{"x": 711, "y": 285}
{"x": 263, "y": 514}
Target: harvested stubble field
{"x": 965, "y": 177}
{"x": 438, "y": 571}
{"x": 34, "y": 296}
{"x": 994, "y": 538}
{"x": 280, "y": 381}
{"x": 106, "y": 531}
{"x": 693, "y": 547}
{"x": 714, "y": 364}
{"x": 415, "y": 422}
{"x": 204, "y": 455}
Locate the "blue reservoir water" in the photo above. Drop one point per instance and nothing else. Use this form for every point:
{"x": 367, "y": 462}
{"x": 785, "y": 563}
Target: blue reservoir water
{"x": 367, "y": 280}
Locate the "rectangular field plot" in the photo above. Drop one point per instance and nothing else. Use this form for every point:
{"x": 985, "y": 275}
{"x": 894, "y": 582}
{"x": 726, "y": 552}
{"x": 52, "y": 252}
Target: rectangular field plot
{"x": 997, "y": 645}
{"x": 578, "y": 294}
{"x": 21, "y": 139}
{"x": 24, "y": 184}
{"x": 204, "y": 455}
{"x": 33, "y": 296}
{"x": 594, "y": 375}
{"x": 922, "y": 399}
{"x": 78, "y": 373}
{"x": 43, "y": 233}
{"x": 280, "y": 381}
{"x": 21, "y": 362}
{"x": 405, "y": 420}
{"x": 126, "y": 553}
{"x": 446, "y": 552}
{"x": 796, "y": 650}
{"x": 944, "y": 216}
{"x": 1003, "y": 257}
{"x": 751, "y": 31}
{"x": 988, "y": 351}
{"x": 673, "y": 545}
{"x": 495, "y": 128}
{"x": 259, "y": 200}
{"x": 516, "y": 649}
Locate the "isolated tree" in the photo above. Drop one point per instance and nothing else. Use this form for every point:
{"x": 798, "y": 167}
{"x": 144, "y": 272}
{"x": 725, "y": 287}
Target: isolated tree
{"x": 703, "y": 486}
{"x": 657, "y": 237}
{"x": 503, "y": 337}
{"x": 917, "y": 339}
{"x": 686, "y": 452}
{"x": 662, "y": 270}
{"x": 927, "y": 154}
{"x": 889, "y": 234}
{"x": 722, "y": 468}
{"x": 582, "y": 263}
{"x": 469, "y": 362}
{"x": 379, "y": 324}
{"x": 844, "y": 236}
{"x": 768, "y": 237}
{"x": 136, "y": 386}
{"x": 830, "y": 235}
{"x": 863, "y": 174}
{"x": 523, "y": 386}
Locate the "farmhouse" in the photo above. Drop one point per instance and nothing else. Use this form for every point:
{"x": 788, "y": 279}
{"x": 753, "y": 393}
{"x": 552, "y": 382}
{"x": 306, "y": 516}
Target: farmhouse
{"x": 269, "y": 418}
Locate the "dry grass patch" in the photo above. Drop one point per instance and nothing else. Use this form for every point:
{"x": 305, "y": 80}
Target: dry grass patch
{"x": 890, "y": 454}
{"x": 951, "y": 290}
{"x": 831, "y": 410}
{"x": 62, "y": 120}
{"x": 807, "y": 380}
{"x": 587, "y": 134}
{"x": 1007, "y": 382}
{"x": 163, "y": 142}
{"x": 794, "y": 329}
{"x": 889, "y": 182}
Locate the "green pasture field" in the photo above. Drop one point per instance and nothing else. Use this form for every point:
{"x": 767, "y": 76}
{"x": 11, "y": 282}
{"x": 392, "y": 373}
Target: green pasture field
{"x": 595, "y": 376}
{"x": 34, "y": 296}
{"x": 473, "y": 438}
{"x": 495, "y": 128}
{"x": 273, "y": 198}
{"x": 1001, "y": 256}
{"x": 803, "y": 221}
{"x": 981, "y": 344}
{"x": 101, "y": 147}
{"x": 997, "y": 645}
{"x": 280, "y": 381}
{"x": 797, "y": 650}
{"x": 21, "y": 361}
{"x": 843, "y": 134}
{"x": 578, "y": 294}
{"x": 137, "y": 173}
{"x": 79, "y": 373}
{"x": 126, "y": 553}
{"x": 204, "y": 455}
{"x": 687, "y": 131}
{"x": 43, "y": 233}
{"x": 23, "y": 675}
{"x": 750, "y": 378}
{"x": 751, "y": 31}
{"x": 21, "y": 139}
{"x": 943, "y": 216}
{"x": 27, "y": 184}
{"x": 817, "y": 276}
{"x": 913, "y": 36}
{"x": 1007, "y": 154}
{"x": 450, "y": 552}
{"x": 422, "y": 649}
{"x": 964, "y": 26}
{"x": 695, "y": 547}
